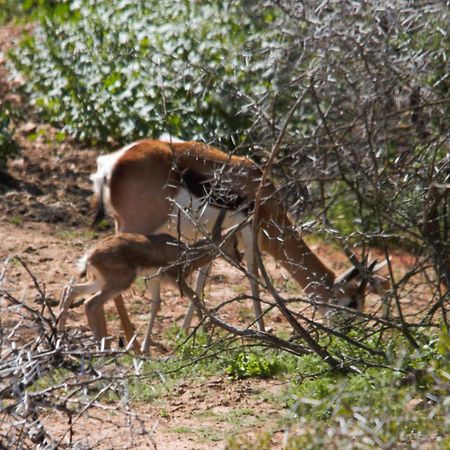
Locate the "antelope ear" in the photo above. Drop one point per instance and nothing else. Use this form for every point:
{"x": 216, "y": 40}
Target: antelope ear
{"x": 377, "y": 282}
{"x": 353, "y": 272}
{"x": 379, "y": 265}
{"x": 346, "y": 276}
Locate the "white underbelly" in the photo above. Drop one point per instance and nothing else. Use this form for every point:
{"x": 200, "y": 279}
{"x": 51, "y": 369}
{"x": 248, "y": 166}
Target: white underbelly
{"x": 193, "y": 217}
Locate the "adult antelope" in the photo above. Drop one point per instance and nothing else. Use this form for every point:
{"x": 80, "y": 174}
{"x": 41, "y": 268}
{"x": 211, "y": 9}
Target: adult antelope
{"x": 114, "y": 263}
{"x": 154, "y": 185}
{"x": 194, "y": 221}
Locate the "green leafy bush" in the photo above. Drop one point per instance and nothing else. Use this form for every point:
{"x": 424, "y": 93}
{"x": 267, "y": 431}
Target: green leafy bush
{"x": 8, "y": 10}
{"x": 136, "y": 68}
{"x": 8, "y": 147}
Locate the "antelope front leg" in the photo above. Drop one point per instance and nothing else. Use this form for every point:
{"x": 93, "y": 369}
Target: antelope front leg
{"x": 155, "y": 291}
{"x": 199, "y": 286}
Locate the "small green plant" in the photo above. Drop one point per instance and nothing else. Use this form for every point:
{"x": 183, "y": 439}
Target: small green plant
{"x": 51, "y": 378}
{"x": 211, "y": 434}
{"x": 181, "y": 429}
{"x": 150, "y": 391}
{"x": 104, "y": 225}
{"x": 60, "y": 137}
{"x": 248, "y": 365}
{"x": 164, "y": 413}
{"x": 15, "y": 220}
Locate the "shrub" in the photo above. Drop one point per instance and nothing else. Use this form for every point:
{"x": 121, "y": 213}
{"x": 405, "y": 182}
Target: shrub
{"x": 8, "y": 147}
{"x": 131, "y": 69}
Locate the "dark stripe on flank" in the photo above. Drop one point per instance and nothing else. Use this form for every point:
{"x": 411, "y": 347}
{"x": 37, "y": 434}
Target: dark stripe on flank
{"x": 218, "y": 193}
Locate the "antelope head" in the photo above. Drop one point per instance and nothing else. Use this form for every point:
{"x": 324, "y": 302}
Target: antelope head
{"x": 350, "y": 286}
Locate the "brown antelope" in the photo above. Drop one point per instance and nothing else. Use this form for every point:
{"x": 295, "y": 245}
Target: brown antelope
{"x": 153, "y": 185}
{"x": 114, "y": 263}
{"x": 198, "y": 213}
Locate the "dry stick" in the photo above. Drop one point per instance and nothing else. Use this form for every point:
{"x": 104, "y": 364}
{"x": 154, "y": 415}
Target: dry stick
{"x": 39, "y": 319}
{"x": 36, "y": 285}
{"x": 83, "y": 410}
{"x": 322, "y": 352}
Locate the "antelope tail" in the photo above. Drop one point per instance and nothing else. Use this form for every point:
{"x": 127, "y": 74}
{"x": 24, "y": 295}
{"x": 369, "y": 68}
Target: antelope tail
{"x": 82, "y": 266}
{"x": 97, "y": 201}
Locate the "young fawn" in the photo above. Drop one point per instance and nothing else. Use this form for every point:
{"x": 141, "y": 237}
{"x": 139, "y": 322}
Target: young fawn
{"x": 114, "y": 263}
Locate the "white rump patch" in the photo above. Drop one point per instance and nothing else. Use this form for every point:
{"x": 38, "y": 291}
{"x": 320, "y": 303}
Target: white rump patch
{"x": 105, "y": 164}
{"x": 82, "y": 263}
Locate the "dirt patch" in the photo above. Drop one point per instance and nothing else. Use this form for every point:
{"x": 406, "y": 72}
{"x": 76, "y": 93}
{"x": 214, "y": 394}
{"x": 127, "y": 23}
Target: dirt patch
{"x": 199, "y": 415}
